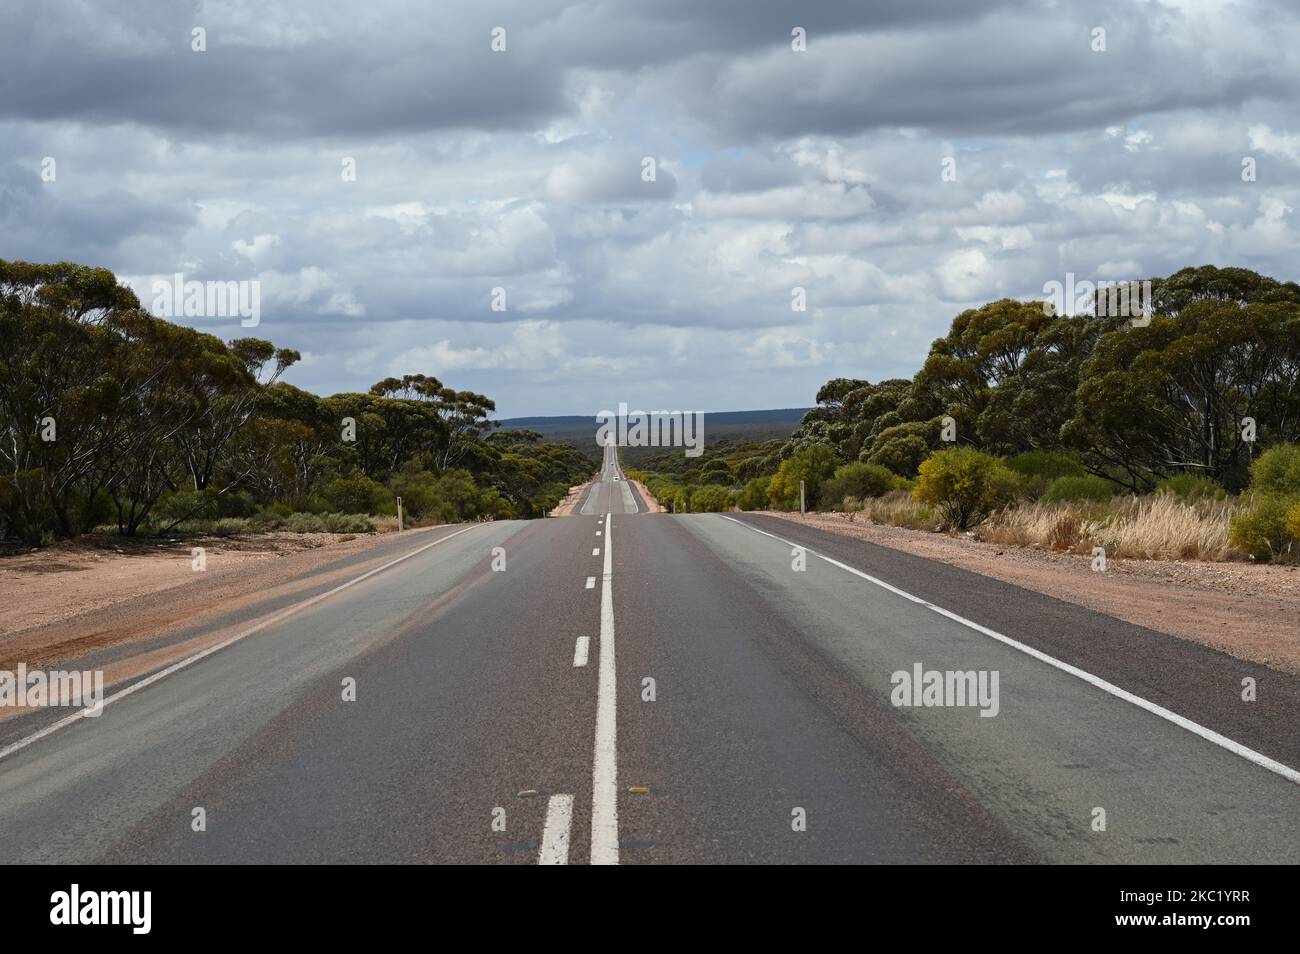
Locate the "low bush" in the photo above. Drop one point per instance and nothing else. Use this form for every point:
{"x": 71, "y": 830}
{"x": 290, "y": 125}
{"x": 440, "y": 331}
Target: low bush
{"x": 857, "y": 479}
{"x": 1081, "y": 487}
{"x": 1292, "y": 522}
{"x": 1037, "y": 469}
{"x": 304, "y": 523}
{"x": 348, "y": 523}
{"x": 812, "y": 466}
{"x": 357, "y": 495}
{"x": 964, "y": 486}
{"x": 1191, "y": 487}
{"x": 1263, "y": 530}
{"x": 328, "y": 523}
{"x": 754, "y": 495}
{"x": 1277, "y": 471}
{"x": 712, "y": 499}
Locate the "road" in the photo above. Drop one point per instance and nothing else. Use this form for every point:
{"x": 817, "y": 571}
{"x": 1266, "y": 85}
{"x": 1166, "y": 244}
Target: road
{"x": 624, "y": 687}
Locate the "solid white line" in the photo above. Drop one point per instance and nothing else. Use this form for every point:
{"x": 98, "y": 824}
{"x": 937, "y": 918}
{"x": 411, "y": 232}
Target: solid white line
{"x": 190, "y": 660}
{"x": 604, "y": 769}
{"x": 580, "y": 651}
{"x": 555, "y": 836}
{"x": 591, "y": 582}
{"x": 1263, "y": 761}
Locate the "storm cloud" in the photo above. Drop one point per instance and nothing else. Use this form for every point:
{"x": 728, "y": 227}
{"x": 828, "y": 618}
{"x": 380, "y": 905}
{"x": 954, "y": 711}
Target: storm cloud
{"x": 646, "y": 182}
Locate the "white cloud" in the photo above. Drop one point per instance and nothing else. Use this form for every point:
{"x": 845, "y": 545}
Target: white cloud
{"x": 258, "y": 248}
{"x": 774, "y": 169}
{"x": 1285, "y": 145}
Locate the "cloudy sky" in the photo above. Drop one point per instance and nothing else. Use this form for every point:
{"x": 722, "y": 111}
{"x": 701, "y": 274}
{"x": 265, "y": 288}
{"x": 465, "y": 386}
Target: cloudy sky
{"x": 522, "y": 169}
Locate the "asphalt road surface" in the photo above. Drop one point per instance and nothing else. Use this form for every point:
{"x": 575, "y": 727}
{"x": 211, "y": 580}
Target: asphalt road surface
{"x": 624, "y": 687}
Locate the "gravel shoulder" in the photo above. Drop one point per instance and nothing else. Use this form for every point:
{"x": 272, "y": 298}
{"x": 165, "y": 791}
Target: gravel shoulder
{"x": 569, "y": 505}
{"x": 1248, "y": 611}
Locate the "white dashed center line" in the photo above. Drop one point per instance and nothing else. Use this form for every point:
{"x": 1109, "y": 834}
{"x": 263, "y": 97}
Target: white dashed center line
{"x": 555, "y": 836}
{"x": 580, "y": 651}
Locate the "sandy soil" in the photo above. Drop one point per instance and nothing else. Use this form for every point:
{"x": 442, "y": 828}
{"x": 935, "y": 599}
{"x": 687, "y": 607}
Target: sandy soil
{"x": 1248, "y": 611}
{"x": 567, "y": 506}
{"x": 61, "y": 581}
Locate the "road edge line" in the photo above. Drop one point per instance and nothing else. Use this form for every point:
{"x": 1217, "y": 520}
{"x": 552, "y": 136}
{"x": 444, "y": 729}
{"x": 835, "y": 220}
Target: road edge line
{"x": 1209, "y": 735}
{"x": 175, "y": 667}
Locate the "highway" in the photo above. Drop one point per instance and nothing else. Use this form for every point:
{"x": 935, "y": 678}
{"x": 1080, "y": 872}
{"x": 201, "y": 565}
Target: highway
{"x": 624, "y": 687}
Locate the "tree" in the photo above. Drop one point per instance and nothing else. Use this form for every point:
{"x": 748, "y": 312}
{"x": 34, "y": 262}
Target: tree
{"x": 811, "y": 465}
{"x": 984, "y": 350}
{"x": 464, "y": 415}
{"x": 229, "y": 381}
{"x": 1175, "y": 396}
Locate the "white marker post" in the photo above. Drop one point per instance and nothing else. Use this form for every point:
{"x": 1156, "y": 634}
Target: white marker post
{"x": 399, "y": 514}
{"x": 801, "y": 503}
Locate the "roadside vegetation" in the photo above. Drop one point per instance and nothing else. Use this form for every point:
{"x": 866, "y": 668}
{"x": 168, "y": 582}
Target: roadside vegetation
{"x": 1174, "y": 436}
{"x": 112, "y": 419}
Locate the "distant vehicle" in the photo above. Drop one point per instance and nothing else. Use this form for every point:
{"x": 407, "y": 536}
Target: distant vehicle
{"x": 616, "y": 477}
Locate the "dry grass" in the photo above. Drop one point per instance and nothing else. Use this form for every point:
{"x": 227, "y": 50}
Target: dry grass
{"x": 896, "y": 508}
{"x": 1159, "y": 527}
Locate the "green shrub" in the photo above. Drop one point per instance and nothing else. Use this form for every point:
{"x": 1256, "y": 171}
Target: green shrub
{"x": 1037, "y": 469}
{"x": 420, "y": 495}
{"x": 357, "y": 495}
{"x": 964, "y": 485}
{"x": 1085, "y": 487}
{"x": 1277, "y": 471}
{"x": 812, "y": 465}
{"x": 716, "y": 471}
{"x": 1264, "y": 529}
{"x": 266, "y": 520}
{"x": 754, "y": 496}
{"x": 1292, "y": 523}
{"x": 304, "y": 523}
{"x": 1191, "y": 487}
{"x": 348, "y": 523}
{"x": 1046, "y": 464}
{"x": 710, "y": 500}
{"x": 858, "y": 479}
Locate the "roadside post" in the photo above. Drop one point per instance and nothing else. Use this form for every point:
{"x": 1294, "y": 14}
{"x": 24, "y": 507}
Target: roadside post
{"x": 801, "y": 502}
{"x": 399, "y": 514}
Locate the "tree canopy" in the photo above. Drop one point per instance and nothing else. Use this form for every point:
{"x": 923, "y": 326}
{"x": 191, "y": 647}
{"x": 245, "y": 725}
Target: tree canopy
{"x": 106, "y": 411}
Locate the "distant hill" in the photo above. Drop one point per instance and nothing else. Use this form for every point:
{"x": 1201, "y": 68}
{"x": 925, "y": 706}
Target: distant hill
{"x": 580, "y": 430}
